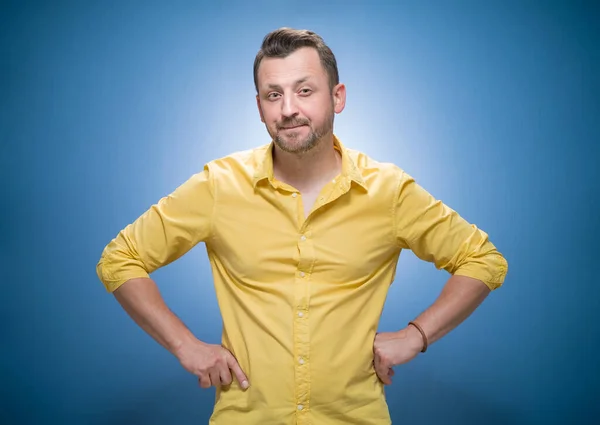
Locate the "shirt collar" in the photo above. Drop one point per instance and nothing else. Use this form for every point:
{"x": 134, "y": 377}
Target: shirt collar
{"x": 264, "y": 161}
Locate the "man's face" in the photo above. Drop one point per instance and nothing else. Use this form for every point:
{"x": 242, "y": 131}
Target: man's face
{"x": 295, "y": 101}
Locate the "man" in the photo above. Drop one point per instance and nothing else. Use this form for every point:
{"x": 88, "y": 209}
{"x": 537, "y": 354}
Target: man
{"x": 303, "y": 237}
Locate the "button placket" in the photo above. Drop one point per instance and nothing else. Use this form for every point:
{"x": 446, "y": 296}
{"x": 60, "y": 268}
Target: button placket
{"x": 301, "y": 328}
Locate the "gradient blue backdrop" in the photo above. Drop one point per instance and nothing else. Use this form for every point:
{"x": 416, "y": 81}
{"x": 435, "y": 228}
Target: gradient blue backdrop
{"x": 107, "y": 106}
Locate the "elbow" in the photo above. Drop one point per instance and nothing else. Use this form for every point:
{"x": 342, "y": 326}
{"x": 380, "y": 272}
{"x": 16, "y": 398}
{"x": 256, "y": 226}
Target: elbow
{"x": 117, "y": 265}
{"x": 104, "y": 271}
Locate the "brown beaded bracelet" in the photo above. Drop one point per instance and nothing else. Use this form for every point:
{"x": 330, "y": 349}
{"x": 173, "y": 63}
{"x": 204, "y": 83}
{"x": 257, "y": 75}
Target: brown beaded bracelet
{"x": 422, "y": 334}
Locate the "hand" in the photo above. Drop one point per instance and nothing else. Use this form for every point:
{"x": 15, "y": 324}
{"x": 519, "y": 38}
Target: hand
{"x": 213, "y": 364}
{"x": 394, "y": 348}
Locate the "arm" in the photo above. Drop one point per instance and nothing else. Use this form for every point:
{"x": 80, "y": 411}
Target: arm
{"x": 164, "y": 233}
{"x": 437, "y": 234}
{"x": 458, "y": 300}
{"x": 141, "y": 299}
{"x": 161, "y": 235}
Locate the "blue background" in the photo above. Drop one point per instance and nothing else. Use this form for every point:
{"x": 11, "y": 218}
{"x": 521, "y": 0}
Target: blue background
{"x": 107, "y": 106}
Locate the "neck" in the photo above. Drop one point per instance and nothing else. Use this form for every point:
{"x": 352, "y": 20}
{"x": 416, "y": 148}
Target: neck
{"x": 307, "y": 170}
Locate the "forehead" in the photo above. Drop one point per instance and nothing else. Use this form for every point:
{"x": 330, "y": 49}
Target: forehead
{"x": 302, "y": 63}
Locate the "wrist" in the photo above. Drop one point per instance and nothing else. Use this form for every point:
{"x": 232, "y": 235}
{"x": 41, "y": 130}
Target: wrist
{"x": 417, "y": 336}
{"x": 182, "y": 346}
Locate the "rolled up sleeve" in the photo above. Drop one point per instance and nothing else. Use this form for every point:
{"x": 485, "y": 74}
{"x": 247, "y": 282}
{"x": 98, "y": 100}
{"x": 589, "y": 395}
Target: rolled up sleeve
{"x": 438, "y": 234}
{"x": 164, "y": 233}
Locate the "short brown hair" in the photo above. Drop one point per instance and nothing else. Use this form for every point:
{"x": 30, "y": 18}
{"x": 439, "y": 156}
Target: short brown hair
{"x": 284, "y": 41}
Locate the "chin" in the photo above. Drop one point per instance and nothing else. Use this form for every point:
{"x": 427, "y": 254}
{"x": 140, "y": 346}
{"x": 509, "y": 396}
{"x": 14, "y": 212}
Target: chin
{"x": 294, "y": 146}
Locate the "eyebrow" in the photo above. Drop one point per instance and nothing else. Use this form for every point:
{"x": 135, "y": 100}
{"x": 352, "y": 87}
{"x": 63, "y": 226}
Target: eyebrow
{"x": 296, "y": 84}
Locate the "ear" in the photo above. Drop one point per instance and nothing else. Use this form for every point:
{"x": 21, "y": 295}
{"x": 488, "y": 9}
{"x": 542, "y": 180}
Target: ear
{"x": 262, "y": 118}
{"x": 339, "y": 98}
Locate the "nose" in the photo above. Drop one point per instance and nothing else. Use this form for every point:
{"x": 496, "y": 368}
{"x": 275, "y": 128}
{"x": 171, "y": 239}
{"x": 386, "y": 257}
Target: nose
{"x": 289, "y": 108}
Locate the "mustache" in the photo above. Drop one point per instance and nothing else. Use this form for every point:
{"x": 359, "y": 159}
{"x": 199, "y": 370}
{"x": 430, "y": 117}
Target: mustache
{"x": 292, "y": 123}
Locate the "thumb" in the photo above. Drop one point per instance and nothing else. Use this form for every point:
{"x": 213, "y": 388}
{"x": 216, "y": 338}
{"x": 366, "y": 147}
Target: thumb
{"x": 237, "y": 371}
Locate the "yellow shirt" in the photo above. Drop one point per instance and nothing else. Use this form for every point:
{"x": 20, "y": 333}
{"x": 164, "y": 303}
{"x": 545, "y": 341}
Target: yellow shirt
{"x": 301, "y": 297}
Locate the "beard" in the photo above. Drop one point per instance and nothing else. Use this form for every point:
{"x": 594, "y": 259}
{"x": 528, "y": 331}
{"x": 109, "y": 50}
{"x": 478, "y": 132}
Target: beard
{"x": 293, "y": 141}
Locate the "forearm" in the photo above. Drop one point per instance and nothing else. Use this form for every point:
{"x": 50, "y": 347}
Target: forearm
{"x": 459, "y": 298}
{"x": 141, "y": 299}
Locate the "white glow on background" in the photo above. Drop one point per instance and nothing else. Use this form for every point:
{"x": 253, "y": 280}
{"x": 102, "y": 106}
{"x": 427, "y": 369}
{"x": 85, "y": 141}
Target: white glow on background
{"x": 391, "y": 115}
{"x": 386, "y": 130}
{"x": 386, "y": 116}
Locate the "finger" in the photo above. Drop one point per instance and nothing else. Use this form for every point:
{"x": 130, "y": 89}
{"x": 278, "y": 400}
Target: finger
{"x": 237, "y": 371}
{"x": 391, "y": 372}
{"x": 225, "y": 375}
{"x": 384, "y": 378}
{"x": 382, "y": 370}
{"x": 381, "y": 363}
{"x": 204, "y": 381}
{"x": 215, "y": 378}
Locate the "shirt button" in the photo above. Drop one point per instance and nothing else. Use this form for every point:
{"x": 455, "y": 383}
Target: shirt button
{"x": 302, "y": 274}
{"x": 301, "y": 361}
{"x": 303, "y": 238}
{"x": 300, "y": 314}
{"x": 300, "y": 407}
{"x": 294, "y": 195}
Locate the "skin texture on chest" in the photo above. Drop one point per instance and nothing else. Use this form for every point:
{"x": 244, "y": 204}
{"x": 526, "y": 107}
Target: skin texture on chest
{"x": 309, "y": 199}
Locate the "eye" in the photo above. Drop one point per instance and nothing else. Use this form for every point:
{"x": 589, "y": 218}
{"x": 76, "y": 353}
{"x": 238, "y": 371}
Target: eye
{"x": 305, "y": 91}
{"x": 272, "y": 95}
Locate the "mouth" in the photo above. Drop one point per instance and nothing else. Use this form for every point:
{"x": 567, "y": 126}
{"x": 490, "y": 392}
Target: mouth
{"x": 293, "y": 127}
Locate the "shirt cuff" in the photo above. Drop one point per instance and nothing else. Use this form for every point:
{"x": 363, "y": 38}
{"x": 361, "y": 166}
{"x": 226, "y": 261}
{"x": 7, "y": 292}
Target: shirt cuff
{"x": 112, "y": 281}
{"x": 492, "y": 272}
